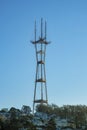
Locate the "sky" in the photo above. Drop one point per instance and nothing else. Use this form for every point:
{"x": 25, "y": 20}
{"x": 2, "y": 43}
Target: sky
{"x": 66, "y": 56}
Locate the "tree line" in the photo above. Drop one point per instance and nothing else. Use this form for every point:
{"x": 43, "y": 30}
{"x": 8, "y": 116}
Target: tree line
{"x": 75, "y": 113}
{"x": 23, "y": 118}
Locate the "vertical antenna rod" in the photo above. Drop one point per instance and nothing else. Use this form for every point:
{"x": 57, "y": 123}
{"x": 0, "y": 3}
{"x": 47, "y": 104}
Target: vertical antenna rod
{"x": 45, "y": 29}
{"x": 41, "y": 28}
{"x": 35, "y": 30}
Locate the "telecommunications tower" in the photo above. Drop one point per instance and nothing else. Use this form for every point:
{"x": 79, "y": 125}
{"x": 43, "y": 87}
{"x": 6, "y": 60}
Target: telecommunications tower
{"x": 40, "y": 90}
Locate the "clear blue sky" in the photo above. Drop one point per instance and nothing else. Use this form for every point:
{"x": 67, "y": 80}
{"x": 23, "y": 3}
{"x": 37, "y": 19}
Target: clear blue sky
{"x": 66, "y": 59}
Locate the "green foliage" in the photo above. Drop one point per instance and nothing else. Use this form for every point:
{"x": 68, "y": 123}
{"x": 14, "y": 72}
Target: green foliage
{"x": 44, "y": 108}
{"x": 23, "y": 118}
{"x": 76, "y": 113}
{"x": 14, "y": 113}
{"x": 17, "y": 120}
{"x": 15, "y": 124}
{"x": 51, "y": 125}
{"x": 26, "y": 109}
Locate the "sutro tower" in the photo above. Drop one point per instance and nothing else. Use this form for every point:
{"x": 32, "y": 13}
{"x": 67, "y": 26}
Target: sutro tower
{"x": 40, "y": 90}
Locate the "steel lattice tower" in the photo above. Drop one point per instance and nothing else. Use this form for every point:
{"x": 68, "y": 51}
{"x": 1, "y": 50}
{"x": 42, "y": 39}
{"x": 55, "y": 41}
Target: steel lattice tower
{"x": 40, "y": 90}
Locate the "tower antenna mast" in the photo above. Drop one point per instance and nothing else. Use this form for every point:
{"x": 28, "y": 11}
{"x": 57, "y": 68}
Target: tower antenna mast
{"x": 40, "y": 89}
